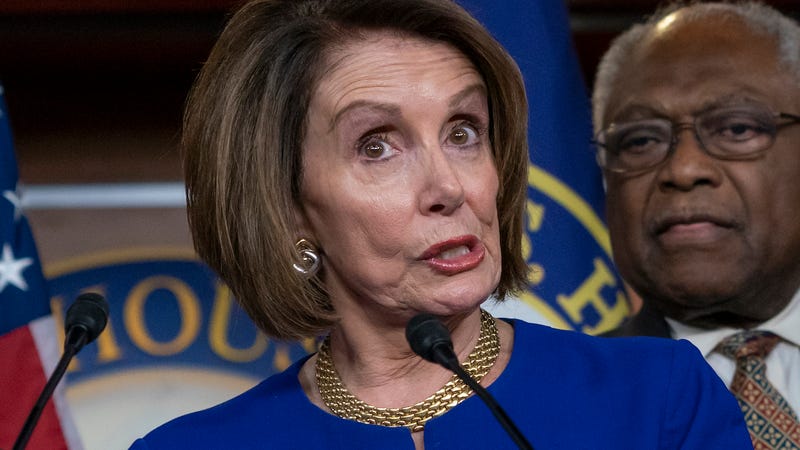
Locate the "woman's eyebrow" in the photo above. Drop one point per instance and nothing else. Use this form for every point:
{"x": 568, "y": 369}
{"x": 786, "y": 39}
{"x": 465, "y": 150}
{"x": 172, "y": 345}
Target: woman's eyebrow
{"x": 458, "y": 98}
{"x": 387, "y": 108}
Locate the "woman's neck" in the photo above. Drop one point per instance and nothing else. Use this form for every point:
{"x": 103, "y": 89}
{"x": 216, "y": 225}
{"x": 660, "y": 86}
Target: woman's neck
{"x": 376, "y": 364}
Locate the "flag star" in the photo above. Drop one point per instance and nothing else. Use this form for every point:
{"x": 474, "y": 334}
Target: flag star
{"x": 11, "y": 269}
{"x": 12, "y": 197}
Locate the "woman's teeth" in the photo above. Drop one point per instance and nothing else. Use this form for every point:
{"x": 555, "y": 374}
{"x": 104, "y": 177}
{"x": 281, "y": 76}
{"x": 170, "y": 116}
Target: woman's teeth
{"x": 454, "y": 252}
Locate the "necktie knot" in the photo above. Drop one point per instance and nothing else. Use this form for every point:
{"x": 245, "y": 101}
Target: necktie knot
{"x": 756, "y": 343}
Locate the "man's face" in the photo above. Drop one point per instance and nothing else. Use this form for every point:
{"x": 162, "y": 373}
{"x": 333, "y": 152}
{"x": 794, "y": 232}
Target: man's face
{"x": 708, "y": 241}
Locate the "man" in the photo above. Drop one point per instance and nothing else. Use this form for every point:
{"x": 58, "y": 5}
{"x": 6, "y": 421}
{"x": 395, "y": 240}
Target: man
{"x": 698, "y": 120}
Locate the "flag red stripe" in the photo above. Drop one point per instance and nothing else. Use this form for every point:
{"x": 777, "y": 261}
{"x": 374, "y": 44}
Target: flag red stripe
{"x": 22, "y": 379}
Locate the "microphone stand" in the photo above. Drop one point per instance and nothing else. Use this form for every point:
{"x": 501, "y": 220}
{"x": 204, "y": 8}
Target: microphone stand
{"x": 69, "y": 352}
{"x": 445, "y": 356}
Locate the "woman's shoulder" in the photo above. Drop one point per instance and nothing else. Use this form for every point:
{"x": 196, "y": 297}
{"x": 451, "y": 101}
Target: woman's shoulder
{"x": 661, "y": 388}
{"x": 622, "y": 371}
{"x": 538, "y": 331}
{"x": 630, "y": 354}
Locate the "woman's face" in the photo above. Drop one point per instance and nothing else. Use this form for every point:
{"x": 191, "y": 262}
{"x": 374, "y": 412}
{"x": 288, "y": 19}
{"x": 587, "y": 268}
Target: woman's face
{"x": 399, "y": 187}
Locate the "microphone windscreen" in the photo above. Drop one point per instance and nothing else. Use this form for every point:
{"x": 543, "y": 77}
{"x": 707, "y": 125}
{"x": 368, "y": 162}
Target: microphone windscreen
{"x": 424, "y": 332}
{"x": 89, "y": 311}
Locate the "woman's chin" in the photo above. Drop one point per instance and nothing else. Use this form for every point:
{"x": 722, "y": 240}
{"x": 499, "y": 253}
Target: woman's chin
{"x": 461, "y": 299}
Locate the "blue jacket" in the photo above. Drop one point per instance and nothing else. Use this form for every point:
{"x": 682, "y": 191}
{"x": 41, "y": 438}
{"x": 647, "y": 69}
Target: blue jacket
{"x": 563, "y": 389}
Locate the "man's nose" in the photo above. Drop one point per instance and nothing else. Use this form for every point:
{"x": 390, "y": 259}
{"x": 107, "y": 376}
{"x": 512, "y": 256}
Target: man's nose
{"x": 688, "y": 165}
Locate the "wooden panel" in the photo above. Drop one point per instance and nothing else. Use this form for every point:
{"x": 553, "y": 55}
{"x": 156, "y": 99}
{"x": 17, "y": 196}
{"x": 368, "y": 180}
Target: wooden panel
{"x": 65, "y": 233}
{"x": 95, "y": 88}
{"x": 114, "y": 6}
{"x": 646, "y": 6}
{"x": 99, "y": 97}
{"x": 595, "y": 23}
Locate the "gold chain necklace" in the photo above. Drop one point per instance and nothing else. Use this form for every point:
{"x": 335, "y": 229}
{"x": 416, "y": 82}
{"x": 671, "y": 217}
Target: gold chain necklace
{"x": 344, "y": 404}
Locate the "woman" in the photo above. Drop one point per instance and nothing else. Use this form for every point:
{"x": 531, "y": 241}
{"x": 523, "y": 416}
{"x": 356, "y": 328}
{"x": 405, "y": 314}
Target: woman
{"x": 352, "y": 163}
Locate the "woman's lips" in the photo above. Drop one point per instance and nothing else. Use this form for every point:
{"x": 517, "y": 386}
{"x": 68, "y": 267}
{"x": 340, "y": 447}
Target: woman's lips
{"x": 454, "y": 255}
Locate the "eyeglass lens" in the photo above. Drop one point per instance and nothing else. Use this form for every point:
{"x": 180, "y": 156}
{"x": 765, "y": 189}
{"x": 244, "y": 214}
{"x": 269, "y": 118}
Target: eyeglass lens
{"x": 728, "y": 133}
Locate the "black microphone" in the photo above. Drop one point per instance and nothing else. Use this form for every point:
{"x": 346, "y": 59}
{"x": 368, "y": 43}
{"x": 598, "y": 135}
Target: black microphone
{"x": 430, "y": 339}
{"x": 86, "y": 319}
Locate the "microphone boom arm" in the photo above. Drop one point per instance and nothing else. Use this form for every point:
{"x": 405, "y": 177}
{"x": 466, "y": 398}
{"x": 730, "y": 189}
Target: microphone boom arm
{"x": 41, "y": 402}
{"x": 430, "y": 339}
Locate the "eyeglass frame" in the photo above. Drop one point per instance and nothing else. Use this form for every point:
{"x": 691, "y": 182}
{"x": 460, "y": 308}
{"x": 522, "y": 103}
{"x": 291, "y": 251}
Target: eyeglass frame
{"x": 676, "y": 128}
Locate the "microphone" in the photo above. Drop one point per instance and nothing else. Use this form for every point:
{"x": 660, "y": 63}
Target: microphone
{"x": 430, "y": 339}
{"x": 85, "y": 320}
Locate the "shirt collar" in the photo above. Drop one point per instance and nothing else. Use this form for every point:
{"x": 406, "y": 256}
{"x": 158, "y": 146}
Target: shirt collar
{"x": 785, "y": 324}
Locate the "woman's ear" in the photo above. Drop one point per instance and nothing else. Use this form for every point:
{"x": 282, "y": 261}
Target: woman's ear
{"x": 302, "y": 225}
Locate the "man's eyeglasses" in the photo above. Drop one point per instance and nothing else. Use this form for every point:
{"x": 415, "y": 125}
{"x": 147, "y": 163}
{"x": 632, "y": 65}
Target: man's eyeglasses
{"x": 730, "y": 133}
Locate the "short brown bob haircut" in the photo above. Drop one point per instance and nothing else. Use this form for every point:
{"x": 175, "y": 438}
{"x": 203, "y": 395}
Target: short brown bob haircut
{"x": 243, "y": 133}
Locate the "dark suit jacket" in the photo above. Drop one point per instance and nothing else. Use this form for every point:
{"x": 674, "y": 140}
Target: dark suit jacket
{"x": 648, "y": 322}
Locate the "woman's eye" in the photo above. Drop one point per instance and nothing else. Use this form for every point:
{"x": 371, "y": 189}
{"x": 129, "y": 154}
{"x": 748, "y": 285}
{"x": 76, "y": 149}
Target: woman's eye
{"x": 376, "y": 148}
{"x": 463, "y": 135}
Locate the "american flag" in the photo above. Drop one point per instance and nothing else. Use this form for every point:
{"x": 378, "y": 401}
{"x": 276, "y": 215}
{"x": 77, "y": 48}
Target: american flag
{"x": 29, "y": 347}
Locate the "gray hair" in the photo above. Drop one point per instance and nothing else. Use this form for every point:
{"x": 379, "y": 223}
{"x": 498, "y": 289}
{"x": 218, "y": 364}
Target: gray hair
{"x": 759, "y": 17}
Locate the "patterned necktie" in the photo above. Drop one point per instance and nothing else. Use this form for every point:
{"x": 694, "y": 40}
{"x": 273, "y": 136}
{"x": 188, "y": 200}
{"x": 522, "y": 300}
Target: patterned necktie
{"x": 771, "y": 421}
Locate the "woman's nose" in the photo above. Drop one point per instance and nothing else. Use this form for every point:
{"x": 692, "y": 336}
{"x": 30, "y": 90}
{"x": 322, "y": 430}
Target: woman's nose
{"x": 442, "y": 189}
